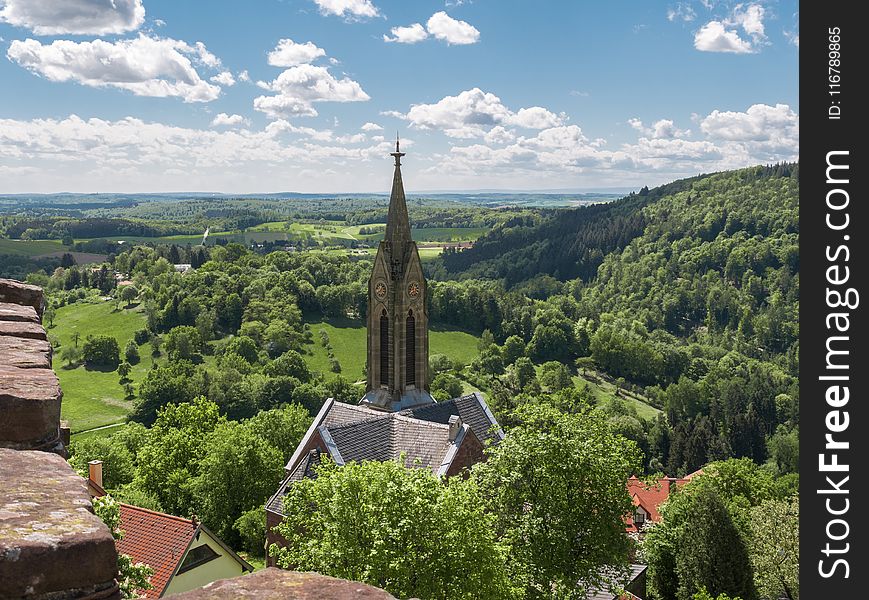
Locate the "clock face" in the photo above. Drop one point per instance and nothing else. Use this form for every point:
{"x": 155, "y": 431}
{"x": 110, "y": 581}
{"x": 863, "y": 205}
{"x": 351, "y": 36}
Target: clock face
{"x": 380, "y": 290}
{"x": 413, "y": 290}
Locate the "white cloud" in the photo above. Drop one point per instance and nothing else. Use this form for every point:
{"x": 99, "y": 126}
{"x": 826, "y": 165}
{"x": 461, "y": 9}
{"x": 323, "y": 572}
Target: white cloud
{"x": 499, "y": 135}
{"x": 661, "y": 129}
{"x": 472, "y": 113}
{"x": 133, "y": 155}
{"x": 392, "y": 113}
{"x": 299, "y": 87}
{"x": 145, "y": 66}
{"x": 228, "y": 120}
{"x": 535, "y": 117}
{"x": 579, "y": 93}
{"x": 224, "y": 78}
{"x": 713, "y": 37}
{"x": 681, "y": 12}
{"x": 722, "y": 35}
{"x": 760, "y": 123}
{"x": 349, "y": 9}
{"x": 244, "y": 76}
{"x": 371, "y": 127}
{"x": 93, "y": 17}
{"x": 407, "y": 35}
{"x": 452, "y": 31}
{"x": 289, "y": 53}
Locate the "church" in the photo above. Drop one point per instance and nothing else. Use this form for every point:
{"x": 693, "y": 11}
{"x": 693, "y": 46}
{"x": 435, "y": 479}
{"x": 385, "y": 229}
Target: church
{"x": 397, "y": 415}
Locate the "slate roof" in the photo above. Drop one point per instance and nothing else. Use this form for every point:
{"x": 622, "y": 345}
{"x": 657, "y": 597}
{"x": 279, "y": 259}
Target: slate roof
{"x": 636, "y": 571}
{"x": 471, "y": 408}
{"x": 156, "y": 539}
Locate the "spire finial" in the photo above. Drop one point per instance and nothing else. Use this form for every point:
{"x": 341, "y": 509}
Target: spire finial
{"x": 398, "y": 153}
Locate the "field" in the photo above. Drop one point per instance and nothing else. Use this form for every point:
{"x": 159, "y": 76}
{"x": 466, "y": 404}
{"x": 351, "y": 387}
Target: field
{"x": 29, "y": 247}
{"x": 604, "y": 391}
{"x": 347, "y": 339}
{"x": 93, "y": 398}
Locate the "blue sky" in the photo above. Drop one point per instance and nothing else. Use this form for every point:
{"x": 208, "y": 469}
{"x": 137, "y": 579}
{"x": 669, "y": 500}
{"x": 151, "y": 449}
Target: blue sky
{"x": 307, "y": 95}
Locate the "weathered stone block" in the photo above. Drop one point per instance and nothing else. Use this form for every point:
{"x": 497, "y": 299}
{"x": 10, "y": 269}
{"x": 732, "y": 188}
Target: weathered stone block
{"x": 16, "y": 292}
{"x": 275, "y": 584}
{"x": 23, "y": 329}
{"x": 25, "y": 353}
{"x": 18, "y": 312}
{"x": 51, "y": 543}
{"x": 30, "y": 408}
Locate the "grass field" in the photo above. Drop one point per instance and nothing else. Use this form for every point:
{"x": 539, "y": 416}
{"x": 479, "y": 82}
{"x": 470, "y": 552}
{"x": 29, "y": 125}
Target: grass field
{"x": 92, "y": 398}
{"x": 29, "y": 247}
{"x": 604, "y": 391}
{"x": 349, "y": 346}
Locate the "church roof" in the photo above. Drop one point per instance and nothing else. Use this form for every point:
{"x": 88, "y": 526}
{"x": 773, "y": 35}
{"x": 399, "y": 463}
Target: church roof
{"x": 471, "y": 408}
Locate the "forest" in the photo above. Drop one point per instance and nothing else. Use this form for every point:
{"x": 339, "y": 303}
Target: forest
{"x": 681, "y": 301}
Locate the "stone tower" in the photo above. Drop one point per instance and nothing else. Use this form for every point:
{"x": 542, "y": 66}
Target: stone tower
{"x": 397, "y": 313}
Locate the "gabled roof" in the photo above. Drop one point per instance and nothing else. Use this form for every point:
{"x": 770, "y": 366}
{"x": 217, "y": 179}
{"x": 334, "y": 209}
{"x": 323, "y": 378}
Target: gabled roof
{"x": 161, "y": 541}
{"x": 473, "y": 410}
{"x": 156, "y": 539}
{"x": 650, "y": 496}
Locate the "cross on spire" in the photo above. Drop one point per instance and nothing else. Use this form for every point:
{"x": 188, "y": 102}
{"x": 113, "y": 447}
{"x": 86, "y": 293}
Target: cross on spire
{"x": 398, "y": 153}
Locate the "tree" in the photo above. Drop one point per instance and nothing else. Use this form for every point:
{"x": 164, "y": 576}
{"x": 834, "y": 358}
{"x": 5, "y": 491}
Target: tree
{"x": 101, "y": 351}
{"x": 237, "y": 472}
{"x": 169, "y": 460}
{"x": 118, "y": 467}
{"x": 289, "y": 364}
{"x": 556, "y": 486}
{"x": 775, "y": 548}
{"x": 244, "y": 346}
{"x": 48, "y": 314}
{"x": 71, "y": 355}
{"x": 514, "y": 347}
{"x": 128, "y": 294}
{"x": 446, "y": 386}
{"x": 251, "y": 529}
{"x": 76, "y": 336}
{"x": 397, "y": 528}
{"x": 555, "y": 376}
{"x": 184, "y": 342}
{"x": 124, "y": 370}
{"x": 162, "y": 386}
{"x": 131, "y": 352}
{"x": 132, "y": 578}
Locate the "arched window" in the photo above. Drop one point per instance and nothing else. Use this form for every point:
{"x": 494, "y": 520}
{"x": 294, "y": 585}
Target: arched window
{"x": 410, "y": 350}
{"x": 384, "y": 349}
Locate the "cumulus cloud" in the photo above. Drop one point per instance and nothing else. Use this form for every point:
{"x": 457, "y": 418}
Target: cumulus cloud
{"x": 371, "y": 127}
{"x": 224, "y": 78}
{"x": 145, "y": 66}
{"x": 661, "y": 129}
{"x": 714, "y": 37}
{"x": 760, "y": 123}
{"x": 472, "y": 113}
{"x": 224, "y": 119}
{"x": 299, "y": 87}
{"x": 244, "y": 76}
{"x": 348, "y": 9}
{"x": 134, "y": 155}
{"x": 452, "y": 31}
{"x": 723, "y": 35}
{"x": 90, "y": 17}
{"x": 407, "y": 35}
{"x": 289, "y": 53}
{"x": 681, "y": 12}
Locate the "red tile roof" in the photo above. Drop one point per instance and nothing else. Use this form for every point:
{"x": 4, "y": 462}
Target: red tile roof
{"x": 156, "y": 539}
{"x": 652, "y": 496}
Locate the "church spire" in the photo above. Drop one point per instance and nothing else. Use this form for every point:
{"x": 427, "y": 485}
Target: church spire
{"x": 397, "y": 221}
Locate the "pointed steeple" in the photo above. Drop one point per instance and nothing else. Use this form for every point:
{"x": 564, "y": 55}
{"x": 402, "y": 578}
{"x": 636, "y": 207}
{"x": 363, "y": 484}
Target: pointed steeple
{"x": 397, "y": 221}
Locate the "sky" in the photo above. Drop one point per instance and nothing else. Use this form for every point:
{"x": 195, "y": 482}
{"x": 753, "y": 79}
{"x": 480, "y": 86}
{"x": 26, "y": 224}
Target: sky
{"x": 309, "y": 95}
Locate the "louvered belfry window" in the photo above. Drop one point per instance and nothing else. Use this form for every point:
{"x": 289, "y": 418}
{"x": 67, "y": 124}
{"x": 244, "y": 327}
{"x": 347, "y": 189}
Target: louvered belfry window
{"x": 410, "y": 349}
{"x": 384, "y": 349}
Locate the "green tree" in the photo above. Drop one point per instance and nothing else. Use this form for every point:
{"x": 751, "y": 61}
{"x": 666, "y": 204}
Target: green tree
{"x": 555, "y": 376}
{"x": 128, "y": 294}
{"x": 446, "y": 386}
{"x": 132, "y": 577}
{"x": 556, "y": 486}
{"x": 76, "y": 336}
{"x": 162, "y": 386}
{"x": 289, "y": 364}
{"x": 514, "y": 347}
{"x": 124, "y": 370}
{"x": 251, "y": 529}
{"x": 400, "y": 529}
{"x": 169, "y": 460}
{"x": 118, "y": 465}
{"x": 101, "y": 351}
{"x": 184, "y": 342}
{"x": 71, "y": 355}
{"x": 775, "y": 548}
{"x": 237, "y": 472}
{"x": 131, "y": 352}
{"x": 48, "y": 314}
{"x": 244, "y": 346}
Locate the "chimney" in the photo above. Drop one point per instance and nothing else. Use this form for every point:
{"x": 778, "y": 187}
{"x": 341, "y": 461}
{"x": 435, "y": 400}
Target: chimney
{"x": 455, "y": 427}
{"x": 95, "y": 472}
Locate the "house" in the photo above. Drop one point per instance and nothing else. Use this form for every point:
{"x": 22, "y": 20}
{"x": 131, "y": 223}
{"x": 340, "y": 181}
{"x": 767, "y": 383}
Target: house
{"x": 182, "y": 267}
{"x": 183, "y": 553}
{"x": 397, "y": 417}
{"x": 648, "y": 498}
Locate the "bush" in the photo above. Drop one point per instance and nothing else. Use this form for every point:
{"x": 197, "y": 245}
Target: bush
{"x": 251, "y": 528}
{"x": 101, "y": 351}
{"x": 141, "y": 336}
